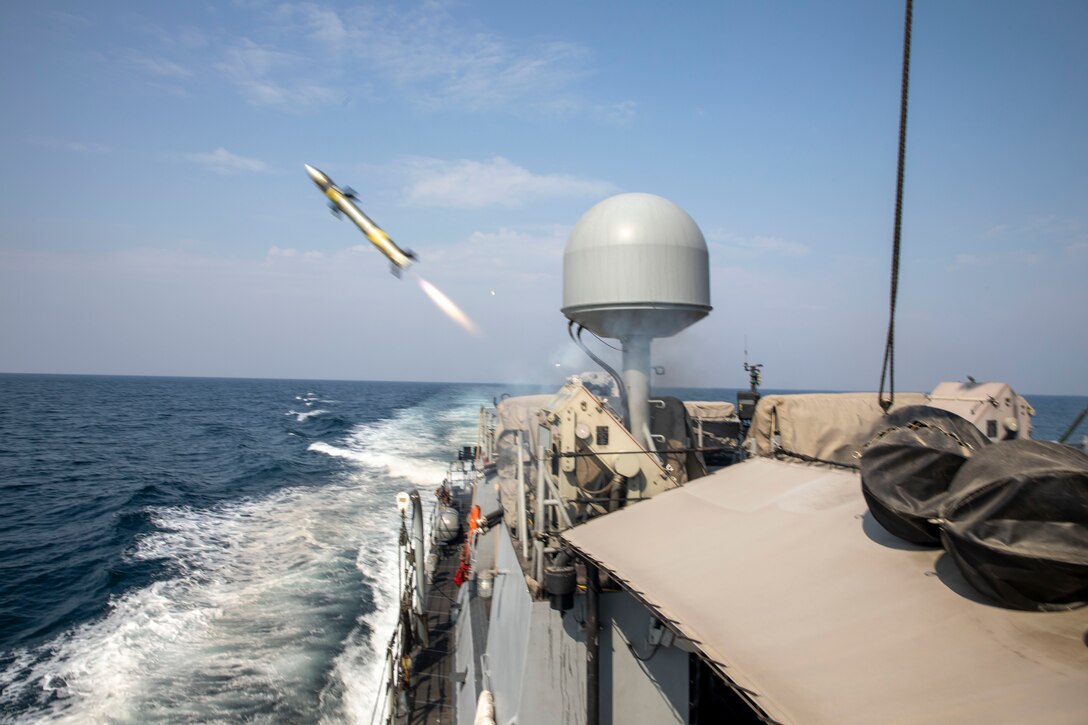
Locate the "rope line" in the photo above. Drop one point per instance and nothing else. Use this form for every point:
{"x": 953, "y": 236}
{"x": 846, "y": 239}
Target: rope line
{"x": 888, "y": 368}
{"x": 814, "y": 459}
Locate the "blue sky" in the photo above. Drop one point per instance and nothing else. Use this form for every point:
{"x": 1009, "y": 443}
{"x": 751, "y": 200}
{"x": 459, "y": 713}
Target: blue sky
{"x": 156, "y": 218}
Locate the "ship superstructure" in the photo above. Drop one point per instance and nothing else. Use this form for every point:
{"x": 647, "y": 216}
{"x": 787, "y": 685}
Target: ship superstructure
{"x": 837, "y": 562}
{"x": 844, "y": 558}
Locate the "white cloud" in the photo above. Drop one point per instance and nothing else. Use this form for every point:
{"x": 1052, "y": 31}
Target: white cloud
{"x": 269, "y": 77}
{"x": 1017, "y": 258}
{"x": 485, "y": 73}
{"x": 508, "y": 254}
{"x": 468, "y": 184}
{"x": 82, "y": 147}
{"x": 1051, "y": 226}
{"x": 423, "y": 54}
{"x": 1036, "y": 228}
{"x": 222, "y": 161}
{"x": 438, "y": 62}
{"x": 69, "y": 18}
{"x": 617, "y": 113}
{"x": 319, "y": 23}
{"x": 276, "y": 253}
{"x": 747, "y": 247}
{"x": 158, "y": 66}
{"x": 1036, "y": 240}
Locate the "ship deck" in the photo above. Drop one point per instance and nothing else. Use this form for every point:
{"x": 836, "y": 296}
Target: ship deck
{"x": 432, "y": 695}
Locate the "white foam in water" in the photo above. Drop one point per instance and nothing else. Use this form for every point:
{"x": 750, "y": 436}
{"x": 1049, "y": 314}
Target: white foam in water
{"x": 360, "y": 666}
{"x": 241, "y": 629}
{"x": 407, "y": 446}
{"x": 335, "y": 452}
{"x": 306, "y": 415}
{"x": 274, "y": 609}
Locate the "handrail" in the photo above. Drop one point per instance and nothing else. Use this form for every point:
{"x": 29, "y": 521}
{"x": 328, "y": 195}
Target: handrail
{"x": 523, "y": 523}
{"x": 557, "y": 500}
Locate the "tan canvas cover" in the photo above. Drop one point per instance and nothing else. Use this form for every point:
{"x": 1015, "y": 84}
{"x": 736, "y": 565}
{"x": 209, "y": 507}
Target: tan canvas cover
{"x": 513, "y": 414}
{"x": 520, "y": 413}
{"x": 774, "y": 570}
{"x": 828, "y": 426}
{"x": 710, "y": 410}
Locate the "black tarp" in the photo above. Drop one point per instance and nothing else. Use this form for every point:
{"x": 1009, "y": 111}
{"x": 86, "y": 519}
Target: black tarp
{"x": 908, "y": 465}
{"x": 1016, "y": 523}
{"x": 671, "y": 421}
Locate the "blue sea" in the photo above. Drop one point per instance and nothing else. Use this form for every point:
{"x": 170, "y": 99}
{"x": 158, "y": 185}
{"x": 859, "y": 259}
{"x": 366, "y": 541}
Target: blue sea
{"x": 204, "y": 550}
{"x": 207, "y": 550}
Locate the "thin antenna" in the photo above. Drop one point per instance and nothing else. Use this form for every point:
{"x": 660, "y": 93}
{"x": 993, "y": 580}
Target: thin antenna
{"x": 754, "y": 376}
{"x": 747, "y": 399}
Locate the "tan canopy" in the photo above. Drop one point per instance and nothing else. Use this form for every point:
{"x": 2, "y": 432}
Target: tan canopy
{"x": 829, "y": 426}
{"x": 710, "y": 410}
{"x": 775, "y": 571}
{"x": 513, "y": 414}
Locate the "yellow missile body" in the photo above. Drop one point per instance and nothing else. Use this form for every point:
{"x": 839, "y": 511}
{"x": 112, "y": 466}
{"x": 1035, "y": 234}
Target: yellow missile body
{"x": 343, "y": 202}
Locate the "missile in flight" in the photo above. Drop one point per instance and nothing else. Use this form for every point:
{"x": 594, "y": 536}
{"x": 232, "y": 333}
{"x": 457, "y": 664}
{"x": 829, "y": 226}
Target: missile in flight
{"x": 343, "y": 201}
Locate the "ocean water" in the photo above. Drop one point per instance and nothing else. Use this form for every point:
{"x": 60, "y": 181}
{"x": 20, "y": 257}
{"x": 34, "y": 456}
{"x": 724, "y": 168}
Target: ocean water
{"x": 207, "y": 550}
{"x": 198, "y": 550}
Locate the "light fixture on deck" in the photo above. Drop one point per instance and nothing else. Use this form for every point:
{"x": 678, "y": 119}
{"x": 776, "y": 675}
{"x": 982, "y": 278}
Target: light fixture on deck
{"x": 485, "y": 584}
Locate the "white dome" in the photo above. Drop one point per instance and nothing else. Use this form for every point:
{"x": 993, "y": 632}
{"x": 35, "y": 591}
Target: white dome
{"x": 636, "y": 264}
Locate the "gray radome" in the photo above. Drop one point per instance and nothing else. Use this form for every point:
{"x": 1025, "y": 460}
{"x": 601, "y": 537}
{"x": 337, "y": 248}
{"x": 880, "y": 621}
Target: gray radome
{"x": 636, "y": 264}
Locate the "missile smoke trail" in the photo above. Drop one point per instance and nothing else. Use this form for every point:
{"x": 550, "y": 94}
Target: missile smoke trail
{"x": 447, "y": 306}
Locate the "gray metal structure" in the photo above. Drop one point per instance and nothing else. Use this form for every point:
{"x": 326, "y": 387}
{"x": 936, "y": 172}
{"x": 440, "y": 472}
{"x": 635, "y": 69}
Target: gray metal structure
{"x": 604, "y": 584}
{"x": 763, "y": 592}
{"x": 636, "y": 267}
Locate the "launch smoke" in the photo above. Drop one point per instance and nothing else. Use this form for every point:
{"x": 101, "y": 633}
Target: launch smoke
{"x": 448, "y": 307}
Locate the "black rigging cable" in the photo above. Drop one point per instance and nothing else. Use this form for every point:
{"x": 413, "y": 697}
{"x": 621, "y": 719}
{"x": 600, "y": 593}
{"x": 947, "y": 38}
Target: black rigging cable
{"x": 603, "y": 342}
{"x": 888, "y": 369}
{"x": 577, "y": 340}
{"x": 1073, "y": 426}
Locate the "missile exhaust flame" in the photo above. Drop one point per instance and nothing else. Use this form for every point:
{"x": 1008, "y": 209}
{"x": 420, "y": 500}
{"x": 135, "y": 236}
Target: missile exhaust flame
{"x": 448, "y": 307}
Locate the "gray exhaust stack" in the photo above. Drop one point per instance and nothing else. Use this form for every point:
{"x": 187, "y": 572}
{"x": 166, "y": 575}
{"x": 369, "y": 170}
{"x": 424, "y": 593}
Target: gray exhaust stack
{"x": 635, "y": 268}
